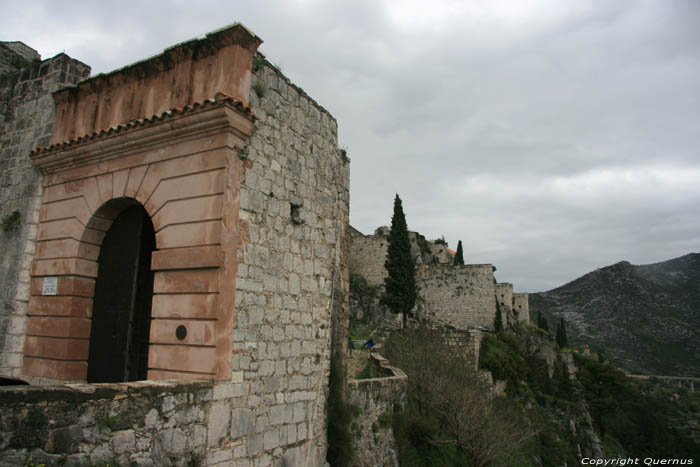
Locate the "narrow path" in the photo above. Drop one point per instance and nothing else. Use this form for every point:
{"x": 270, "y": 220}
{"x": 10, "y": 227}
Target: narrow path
{"x": 357, "y": 362}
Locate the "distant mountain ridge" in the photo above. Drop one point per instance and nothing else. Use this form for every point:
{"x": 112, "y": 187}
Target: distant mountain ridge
{"x": 645, "y": 318}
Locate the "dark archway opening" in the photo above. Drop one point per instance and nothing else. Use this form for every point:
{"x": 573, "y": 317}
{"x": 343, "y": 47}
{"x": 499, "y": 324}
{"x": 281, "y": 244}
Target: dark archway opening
{"x": 121, "y": 313}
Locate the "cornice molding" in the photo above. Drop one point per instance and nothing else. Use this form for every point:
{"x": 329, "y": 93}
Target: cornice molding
{"x": 171, "y": 127}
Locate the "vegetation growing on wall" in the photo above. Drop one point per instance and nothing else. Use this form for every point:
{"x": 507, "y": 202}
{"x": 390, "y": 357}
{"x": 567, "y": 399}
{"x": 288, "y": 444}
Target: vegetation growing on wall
{"x": 10, "y": 222}
{"x": 498, "y": 320}
{"x": 259, "y": 88}
{"x": 362, "y": 292}
{"x": 340, "y": 453}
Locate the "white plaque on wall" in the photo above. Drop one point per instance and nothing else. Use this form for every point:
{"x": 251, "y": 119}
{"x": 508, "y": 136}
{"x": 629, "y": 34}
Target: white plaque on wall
{"x": 50, "y": 286}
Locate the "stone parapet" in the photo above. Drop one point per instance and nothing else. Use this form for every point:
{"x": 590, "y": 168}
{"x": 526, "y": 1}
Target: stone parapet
{"x": 142, "y": 423}
{"x": 376, "y": 400}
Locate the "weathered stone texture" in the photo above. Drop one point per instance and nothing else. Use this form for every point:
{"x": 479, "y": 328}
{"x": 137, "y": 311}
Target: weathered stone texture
{"x": 276, "y": 280}
{"x": 377, "y": 399}
{"x": 368, "y": 253}
{"x": 521, "y": 306}
{"x": 367, "y": 256}
{"x": 461, "y": 296}
{"x": 504, "y": 297}
{"x": 16, "y": 55}
{"x": 189, "y": 72}
{"x": 293, "y": 215}
{"x": 142, "y": 424}
{"x": 27, "y": 115}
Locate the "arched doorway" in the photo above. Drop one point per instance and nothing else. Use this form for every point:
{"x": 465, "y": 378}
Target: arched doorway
{"x": 121, "y": 316}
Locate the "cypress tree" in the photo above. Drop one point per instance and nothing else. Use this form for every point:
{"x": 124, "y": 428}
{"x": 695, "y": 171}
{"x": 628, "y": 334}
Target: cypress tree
{"x": 542, "y": 322}
{"x": 459, "y": 256}
{"x": 562, "y": 341}
{"x": 400, "y": 291}
{"x": 498, "y": 321}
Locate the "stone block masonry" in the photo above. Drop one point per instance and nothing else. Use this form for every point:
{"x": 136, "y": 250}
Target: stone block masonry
{"x": 368, "y": 253}
{"x": 375, "y": 401}
{"x": 458, "y": 296}
{"x": 461, "y": 296}
{"x": 293, "y": 220}
{"x": 521, "y": 306}
{"x": 504, "y": 297}
{"x": 367, "y": 256}
{"x": 27, "y": 115}
{"x": 138, "y": 424}
{"x": 250, "y": 207}
{"x": 16, "y": 55}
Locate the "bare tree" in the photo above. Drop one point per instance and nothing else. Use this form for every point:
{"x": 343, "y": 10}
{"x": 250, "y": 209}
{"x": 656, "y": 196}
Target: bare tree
{"x": 444, "y": 383}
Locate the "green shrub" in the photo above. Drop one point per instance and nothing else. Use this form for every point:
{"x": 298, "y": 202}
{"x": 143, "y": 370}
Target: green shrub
{"x": 451, "y": 418}
{"x": 366, "y": 371}
{"x": 385, "y": 419}
{"x": 10, "y": 222}
{"x": 340, "y": 445}
{"x": 259, "y": 88}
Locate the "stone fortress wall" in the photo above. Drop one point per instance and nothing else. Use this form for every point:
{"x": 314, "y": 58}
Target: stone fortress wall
{"x": 521, "y": 306}
{"x": 15, "y": 55}
{"x": 27, "y": 115}
{"x": 378, "y": 398}
{"x": 462, "y": 296}
{"x": 285, "y": 220}
{"x": 293, "y": 219}
{"x": 456, "y": 296}
{"x": 138, "y": 424}
{"x": 369, "y": 253}
{"x": 504, "y": 299}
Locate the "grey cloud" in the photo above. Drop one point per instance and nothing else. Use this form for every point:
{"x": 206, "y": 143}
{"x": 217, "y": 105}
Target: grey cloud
{"x": 552, "y": 138}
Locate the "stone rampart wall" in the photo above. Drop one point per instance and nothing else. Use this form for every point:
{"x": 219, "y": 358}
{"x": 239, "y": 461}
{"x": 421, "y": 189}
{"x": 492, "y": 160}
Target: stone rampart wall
{"x": 521, "y": 305}
{"x": 367, "y": 256}
{"x": 440, "y": 253}
{"x": 27, "y": 116}
{"x": 455, "y": 338}
{"x": 504, "y": 297}
{"x": 138, "y": 424}
{"x": 504, "y": 293}
{"x": 461, "y": 296}
{"x": 294, "y": 207}
{"x": 376, "y": 399}
{"x": 368, "y": 253}
{"x": 16, "y": 55}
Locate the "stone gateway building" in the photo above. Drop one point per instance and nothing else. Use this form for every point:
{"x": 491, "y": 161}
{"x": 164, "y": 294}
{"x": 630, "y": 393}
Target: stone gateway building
{"x": 184, "y": 222}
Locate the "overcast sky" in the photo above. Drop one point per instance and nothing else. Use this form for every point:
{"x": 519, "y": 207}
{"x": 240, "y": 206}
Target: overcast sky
{"x": 551, "y": 137}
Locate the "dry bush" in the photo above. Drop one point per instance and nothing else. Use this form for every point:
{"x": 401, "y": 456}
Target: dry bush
{"x": 445, "y": 385}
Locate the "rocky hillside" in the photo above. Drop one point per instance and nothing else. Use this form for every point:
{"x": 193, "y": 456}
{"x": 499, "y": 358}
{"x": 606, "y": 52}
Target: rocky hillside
{"x": 646, "y": 319}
